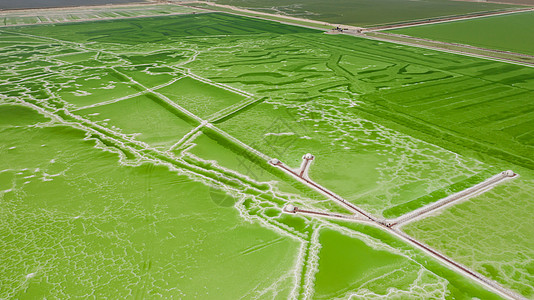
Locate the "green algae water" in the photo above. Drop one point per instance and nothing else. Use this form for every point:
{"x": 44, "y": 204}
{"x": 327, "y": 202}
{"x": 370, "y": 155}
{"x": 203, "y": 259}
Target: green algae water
{"x": 76, "y": 222}
{"x": 512, "y": 266}
{"x": 133, "y": 161}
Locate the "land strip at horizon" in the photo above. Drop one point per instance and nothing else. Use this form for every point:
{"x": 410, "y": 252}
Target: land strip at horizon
{"x": 371, "y": 32}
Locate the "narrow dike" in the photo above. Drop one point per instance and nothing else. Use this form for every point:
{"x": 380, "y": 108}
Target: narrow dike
{"x": 388, "y": 226}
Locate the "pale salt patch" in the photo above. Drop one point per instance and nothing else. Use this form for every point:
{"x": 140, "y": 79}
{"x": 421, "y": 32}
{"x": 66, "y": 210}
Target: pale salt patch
{"x": 12, "y": 148}
{"x": 278, "y": 134}
{"x": 30, "y": 275}
{"x": 81, "y": 93}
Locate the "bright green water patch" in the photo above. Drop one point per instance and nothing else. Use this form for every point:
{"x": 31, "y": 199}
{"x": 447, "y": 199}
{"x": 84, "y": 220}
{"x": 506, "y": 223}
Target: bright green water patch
{"x": 202, "y": 99}
{"x": 347, "y": 264}
{"x": 490, "y": 32}
{"x": 492, "y": 233}
{"x": 76, "y": 223}
{"x": 146, "y": 118}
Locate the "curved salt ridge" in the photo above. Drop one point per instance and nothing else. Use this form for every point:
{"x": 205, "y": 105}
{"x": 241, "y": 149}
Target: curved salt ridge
{"x": 452, "y": 199}
{"x": 300, "y": 261}
{"x": 236, "y": 174}
{"x": 273, "y": 288}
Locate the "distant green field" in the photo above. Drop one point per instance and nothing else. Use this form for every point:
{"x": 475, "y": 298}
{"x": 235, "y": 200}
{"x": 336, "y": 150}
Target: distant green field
{"x": 365, "y": 12}
{"x": 513, "y": 32}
